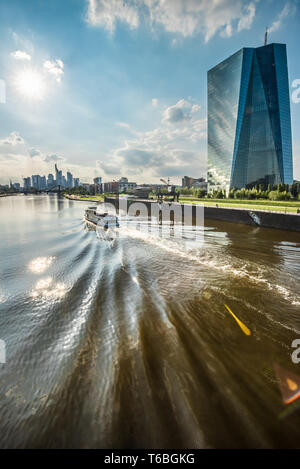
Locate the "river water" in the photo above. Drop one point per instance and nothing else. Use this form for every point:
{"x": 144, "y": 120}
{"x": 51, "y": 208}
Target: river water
{"x": 128, "y": 344}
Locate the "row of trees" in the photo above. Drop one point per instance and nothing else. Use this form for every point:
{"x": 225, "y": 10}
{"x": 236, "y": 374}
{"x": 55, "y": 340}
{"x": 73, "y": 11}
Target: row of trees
{"x": 7, "y": 190}
{"x": 280, "y": 192}
{"x": 200, "y": 193}
{"x": 80, "y": 190}
{"x": 251, "y": 194}
{"x": 277, "y": 192}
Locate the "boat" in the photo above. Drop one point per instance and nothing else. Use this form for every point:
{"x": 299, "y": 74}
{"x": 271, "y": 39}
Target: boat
{"x": 103, "y": 220}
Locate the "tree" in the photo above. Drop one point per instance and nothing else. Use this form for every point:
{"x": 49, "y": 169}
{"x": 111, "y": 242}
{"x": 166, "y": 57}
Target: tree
{"x": 294, "y": 190}
{"x": 186, "y": 191}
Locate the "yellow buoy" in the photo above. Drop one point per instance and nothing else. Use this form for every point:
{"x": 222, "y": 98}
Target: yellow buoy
{"x": 242, "y": 325}
{"x": 291, "y": 384}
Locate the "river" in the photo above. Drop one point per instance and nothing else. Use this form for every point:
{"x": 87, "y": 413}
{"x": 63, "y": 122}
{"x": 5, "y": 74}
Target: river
{"x": 128, "y": 344}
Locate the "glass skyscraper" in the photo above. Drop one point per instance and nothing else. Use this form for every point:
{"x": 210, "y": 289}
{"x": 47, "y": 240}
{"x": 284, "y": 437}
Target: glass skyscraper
{"x": 249, "y": 123}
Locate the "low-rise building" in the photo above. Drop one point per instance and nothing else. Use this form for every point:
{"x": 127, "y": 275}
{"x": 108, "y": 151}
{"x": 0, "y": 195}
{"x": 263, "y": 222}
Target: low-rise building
{"x": 16, "y": 186}
{"x": 111, "y": 187}
{"x": 124, "y": 185}
{"x": 189, "y": 182}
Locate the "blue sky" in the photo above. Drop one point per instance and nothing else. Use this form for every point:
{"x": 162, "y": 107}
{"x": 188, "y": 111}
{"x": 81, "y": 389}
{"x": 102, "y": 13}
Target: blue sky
{"x": 111, "y": 88}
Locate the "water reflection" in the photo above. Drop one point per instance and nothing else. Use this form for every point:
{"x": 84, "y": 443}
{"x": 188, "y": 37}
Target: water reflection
{"x": 40, "y": 264}
{"x": 134, "y": 335}
{"x": 46, "y": 289}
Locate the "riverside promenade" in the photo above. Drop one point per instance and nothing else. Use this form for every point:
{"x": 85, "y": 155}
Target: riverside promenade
{"x": 261, "y": 218}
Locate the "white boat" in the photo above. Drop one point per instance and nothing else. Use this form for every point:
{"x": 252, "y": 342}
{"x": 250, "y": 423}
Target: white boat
{"x": 103, "y": 220}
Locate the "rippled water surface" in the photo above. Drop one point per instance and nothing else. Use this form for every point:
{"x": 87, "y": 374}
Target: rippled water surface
{"x": 129, "y": 344}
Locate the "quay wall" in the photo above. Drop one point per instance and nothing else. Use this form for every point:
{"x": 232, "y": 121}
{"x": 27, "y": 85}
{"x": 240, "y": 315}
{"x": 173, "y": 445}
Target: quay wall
{"x": 265, "y": 219}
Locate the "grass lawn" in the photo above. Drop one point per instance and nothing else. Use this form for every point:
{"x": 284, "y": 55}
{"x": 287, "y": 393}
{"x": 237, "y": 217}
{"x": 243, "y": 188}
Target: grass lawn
{"x": 96, "y": 198}
{"x": 277, "y": 206}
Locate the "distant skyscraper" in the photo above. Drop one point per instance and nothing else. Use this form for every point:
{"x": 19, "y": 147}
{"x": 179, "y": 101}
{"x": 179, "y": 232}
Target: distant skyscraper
{"x": 27, "y": 183}
{"x": 69, "y": 179}
{"x": 36, "y": 181}
{"x": 58, "y": 176}
{"x": 98, "y": 185}
{"x": 76, "y": 182}
{"x": 50, "y": 181}
{"x": 43, "y": 183}
{"x": 249, "y": 124}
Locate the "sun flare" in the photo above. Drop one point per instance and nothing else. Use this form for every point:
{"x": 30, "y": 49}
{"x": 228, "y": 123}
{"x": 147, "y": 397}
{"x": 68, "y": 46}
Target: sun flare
{"x": 30, "y": 84}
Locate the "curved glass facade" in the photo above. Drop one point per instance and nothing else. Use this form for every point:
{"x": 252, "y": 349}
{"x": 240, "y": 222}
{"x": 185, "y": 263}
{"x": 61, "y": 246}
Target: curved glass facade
{"x": 249, "y": 125}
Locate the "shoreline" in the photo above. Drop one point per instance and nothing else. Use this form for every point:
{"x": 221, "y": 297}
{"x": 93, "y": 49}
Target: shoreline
{"x": 10, "y": 194}
{"x": 281, "y": 207}
{"x": 261, "y": 218}
{"x": 74, "y": 197}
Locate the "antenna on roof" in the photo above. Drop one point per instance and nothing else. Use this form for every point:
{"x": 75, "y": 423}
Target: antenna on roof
{"x": 266, "y": 36}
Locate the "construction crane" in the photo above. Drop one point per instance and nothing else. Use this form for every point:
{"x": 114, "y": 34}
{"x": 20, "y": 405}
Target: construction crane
{"x": 266, "y": 36}
{"x": 165, "y": 182}
{"x": 171, "y": 190}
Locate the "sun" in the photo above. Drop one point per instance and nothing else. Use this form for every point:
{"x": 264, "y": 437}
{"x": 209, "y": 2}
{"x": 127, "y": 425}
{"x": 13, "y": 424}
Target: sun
{"x": 30, "y": 84}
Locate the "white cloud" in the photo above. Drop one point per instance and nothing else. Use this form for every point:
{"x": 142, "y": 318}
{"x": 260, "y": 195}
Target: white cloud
{"x": 20, "y": 55}
{"x": 107, "y": 12}
{"x": 170, "y": 149}
{"x": 22, "y": 43}
{"x": 55, "y": 67}
{"x": 123, "y": 124}
{"x": 287, "y": 10}
{"x": 53, "y": 158}
{"x": 247, "y": 18}
{"x": 167, "y": 150}
{"x": 18, "y": 160}
{"x": 195, "y": 108}
{"x": 154, "y": 102}
{"x": 296, "y": 160}
{"x": 12, "y": 140}
{"x": 227, "y": 31}
{"x": 181, "y": 111}
{"x": 34, "y": 152}
{"x": 186, "y": 17}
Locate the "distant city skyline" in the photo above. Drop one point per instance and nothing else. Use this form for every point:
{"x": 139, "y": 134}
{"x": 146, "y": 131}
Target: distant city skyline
{"x": 120, "y": 88}
{"x": 39, "y": 182}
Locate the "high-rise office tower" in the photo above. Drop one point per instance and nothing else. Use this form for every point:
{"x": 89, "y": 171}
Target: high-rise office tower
{"x": 43, "y": 183}
{"x": 69, "y": 179}
{"x": 249, "y": 123}
{"x": 58, "y": 176}
{"x": 36, "y": 181}
{"x": 27, "y": 183}
{"x": 50, "y": 181}
{"x": 98, "y": 184}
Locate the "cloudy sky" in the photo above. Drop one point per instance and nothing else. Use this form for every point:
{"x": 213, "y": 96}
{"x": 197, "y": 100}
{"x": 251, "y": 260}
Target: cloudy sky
{"x": 117, "y": 88}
